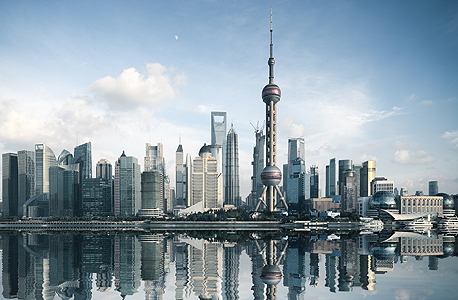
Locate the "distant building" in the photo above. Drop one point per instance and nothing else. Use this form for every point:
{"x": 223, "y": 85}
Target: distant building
{"x": 151, "y": 194}
{"x": 154, "y": 158}
{"x": 10, "y": 184}
{"x": 419, "y": 204}
{"x": 357, "y": 174}
{"x": 314, "y": 182}
{"x": 433, "y": 188}
{"x": 367, "y": 174}
{"x": 328, "y": 181}
{"x": 218, "y": 137}
{"x": 44, "y": 159}
{"x": 333, "y": 187}
{"x": 127, "y": 184}
{"x": 26, "y": 178}
{"x": 381, "y": 184}
{"x": 104, "y": 169}
{"x": 188, "y": 178}
{"x": 419, "y": 193}
{"x": 349, "y": 194}
{"x": 296, "y": 149}
{"x": 324, "y": 204}
{"x": 258, "y": 164}
{"x": 344, "y": 166}
{"x": 298, "y": 186}
{"x": 180, "y": 182}
{"x": 232, "y": 180}
{"x": 97, "y": 197}
{"x": 205, "y": 180}
{"x": 64, "y": 190}
{"x": 404, "y": 191}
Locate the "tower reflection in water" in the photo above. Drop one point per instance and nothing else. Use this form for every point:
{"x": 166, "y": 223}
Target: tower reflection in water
{"x": 89, "y": 266}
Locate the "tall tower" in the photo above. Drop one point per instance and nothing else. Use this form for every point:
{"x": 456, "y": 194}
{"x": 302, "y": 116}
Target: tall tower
{"x": 179, "y": 176}
{"x": 271, "y": 175}
{"x": 232, "y": 185}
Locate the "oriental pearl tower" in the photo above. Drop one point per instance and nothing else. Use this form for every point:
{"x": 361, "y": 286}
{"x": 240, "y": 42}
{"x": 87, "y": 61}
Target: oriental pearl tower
{"x": 271, "y": 174}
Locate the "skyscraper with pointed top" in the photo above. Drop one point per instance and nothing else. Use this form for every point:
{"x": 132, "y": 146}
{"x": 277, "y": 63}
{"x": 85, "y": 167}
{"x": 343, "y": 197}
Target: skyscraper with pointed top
{"x": 271, "y": 175}
{"x": 232, "y": 181}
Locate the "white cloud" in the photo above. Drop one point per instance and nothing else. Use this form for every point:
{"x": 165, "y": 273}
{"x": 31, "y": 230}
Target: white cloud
{"x": 365, "y": 157}
{"x": 453, "y": 137}
{"x": 131, "y": 89}
{"x": 412, "y": 97}
{"x": 405, "y": 145}
{"x": 288, "y": 128}
{"x": 427, "y": 102}
{"x": 406, "y": 157}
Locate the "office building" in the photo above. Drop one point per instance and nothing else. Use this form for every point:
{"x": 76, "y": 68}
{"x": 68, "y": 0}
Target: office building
{"x": 258, "y": 164}
{"x": 349, "y": 194}
{"x": 367, "y": 175}
{"x": 10, "y": 184}
{"x": 127, "y": 184}
{"x": 232, "y": 185}
{"x": 344, "y": 165}
{"x": 151, "y": 194}
{"x": 188, "y": 180}
{"x": 154, "y": 158}
{"x": 97, "y": 197}
{"x": 44, "y": 159}
{"x": 333, "y": 187}
{"x": 217, "y": 152}
{"x": 381, "y": 184}
{"x": 83, "y": 157}
{"x": 403, "y": 192}
{"x": 104, "y": 169}
{"x": 314, "y": 182}
{"x": 328, "y": 180}
{"x": 357, "y": 174}
{"x": 26, "y": 178}
{"x": 298, "y": 186}
{"x": 205, "y": 180}
{"x": 64, "y": 190}
{"x": 180, "y": 182}
{"x": 218, "y": 137}
{"x": 296, "y": 149}
{"x": 433, "y": 188}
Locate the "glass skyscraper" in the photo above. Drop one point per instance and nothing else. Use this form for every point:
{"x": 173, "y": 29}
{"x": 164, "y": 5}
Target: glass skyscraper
{"x": 127, "y": 197}
{"x": 10, "y": 184}
{"x": 26, "y": 177}
{"x": 232, "y": 183}
{"x": 44, "y": 159}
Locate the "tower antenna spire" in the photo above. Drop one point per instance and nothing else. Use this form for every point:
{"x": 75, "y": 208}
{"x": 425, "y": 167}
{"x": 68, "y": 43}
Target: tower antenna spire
{"x": 271, "y": 61}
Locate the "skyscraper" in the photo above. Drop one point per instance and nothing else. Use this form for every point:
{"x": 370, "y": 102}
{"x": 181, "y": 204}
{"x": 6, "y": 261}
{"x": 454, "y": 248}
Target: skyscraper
{"x": 64, "y": 190}
{"x": 104, "y": 169}
{"x": 232, "y": 185}
{"x": 271, "y": 175}
{"x": 433, "y": 189}
{"x": 188, "y": 176}
{"x": 154, "y": 158}
{"x": 127, "y": 197}
{"x": 97, "y": 197}
{"x": 26, "y": 177}
{"x": 205, "y": 179}
{"x": 83, "y": 157}
{"x": 333, "y": 189}
{"x": 349, "y": 192}
{"x": 296, "y": 149}
{"x": 344, "y": 165}
{"x": 10, "y": 184}
{"x": 151, "y": 194}
{"x": 314, "y": 182}
{"x": 44, "y": 159}
{"x": 367, "y": 175}
{"x": 259, "y": 164}
{"x": 218, "y": 128}
{"x": 328, "y": 181}
{"x": 180, "y": 177}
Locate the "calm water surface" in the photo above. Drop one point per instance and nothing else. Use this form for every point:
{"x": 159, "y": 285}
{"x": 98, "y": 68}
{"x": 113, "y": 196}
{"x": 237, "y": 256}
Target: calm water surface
{"x": 235, "y": 265}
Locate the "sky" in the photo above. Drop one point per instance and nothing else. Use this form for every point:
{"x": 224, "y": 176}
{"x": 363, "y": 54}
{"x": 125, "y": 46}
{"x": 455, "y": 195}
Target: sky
{"x": 360, "y": 80}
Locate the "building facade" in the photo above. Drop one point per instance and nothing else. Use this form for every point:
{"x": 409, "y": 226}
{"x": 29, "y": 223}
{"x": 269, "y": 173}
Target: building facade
{"x": 26, "y": 178}
{"x": 205, "y": 180}
{"x": 314, "y": 182}
{"x": 97, "y": 197}
{"x": 232, "y": 181}
{"x": 151, "y": 194}
{"x": 127, "y": 185}
{"x": 344, "y": 165}
{"x": 10, "y": 184}
{"x": 367, "y": 175}
{"x": 44, "y": 159}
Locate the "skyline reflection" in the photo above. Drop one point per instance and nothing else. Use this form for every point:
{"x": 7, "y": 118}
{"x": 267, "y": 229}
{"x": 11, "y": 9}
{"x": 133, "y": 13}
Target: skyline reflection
{"x": 189, "y": 266}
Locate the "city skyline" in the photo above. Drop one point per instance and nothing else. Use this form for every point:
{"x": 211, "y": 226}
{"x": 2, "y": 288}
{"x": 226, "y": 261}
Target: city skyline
{"x": 361, "y": 81}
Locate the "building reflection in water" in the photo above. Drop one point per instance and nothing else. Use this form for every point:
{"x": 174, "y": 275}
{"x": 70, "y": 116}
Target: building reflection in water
{"x": 41, "y": 266}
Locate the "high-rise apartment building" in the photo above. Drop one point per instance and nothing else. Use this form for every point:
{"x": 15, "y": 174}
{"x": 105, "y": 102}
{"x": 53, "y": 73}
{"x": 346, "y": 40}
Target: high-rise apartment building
{"x": 367, "y": 175}
{"x": 205, "y": 180}
{"x": 10, "y": 184}
{"x": 180, "y": 177}
{"x": 44, "y": 159}
{"x": 232, "y": 185}
{"x": 127, "y": 184}
{"x": 344, "y": 165}
{"x": 26, "y": 177}
{"x": 314, "y": 182}
{"x": 433, "y": 188}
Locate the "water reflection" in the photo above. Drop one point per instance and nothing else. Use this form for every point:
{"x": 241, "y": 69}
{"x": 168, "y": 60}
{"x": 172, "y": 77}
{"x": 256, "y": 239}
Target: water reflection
{"x": 85, "y": 266}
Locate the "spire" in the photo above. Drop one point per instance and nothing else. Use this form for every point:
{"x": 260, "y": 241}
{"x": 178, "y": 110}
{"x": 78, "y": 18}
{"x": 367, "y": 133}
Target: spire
{"x": 271, "y": 61}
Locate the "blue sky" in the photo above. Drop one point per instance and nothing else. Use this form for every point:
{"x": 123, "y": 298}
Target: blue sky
{"x": 360, "y": 79}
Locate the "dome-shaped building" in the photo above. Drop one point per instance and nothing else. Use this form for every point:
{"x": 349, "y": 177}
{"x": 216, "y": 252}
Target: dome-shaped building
{"x": 448, "y": 205}
{"x": 204, "y": 149}
{"x": 383, "y": 200}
